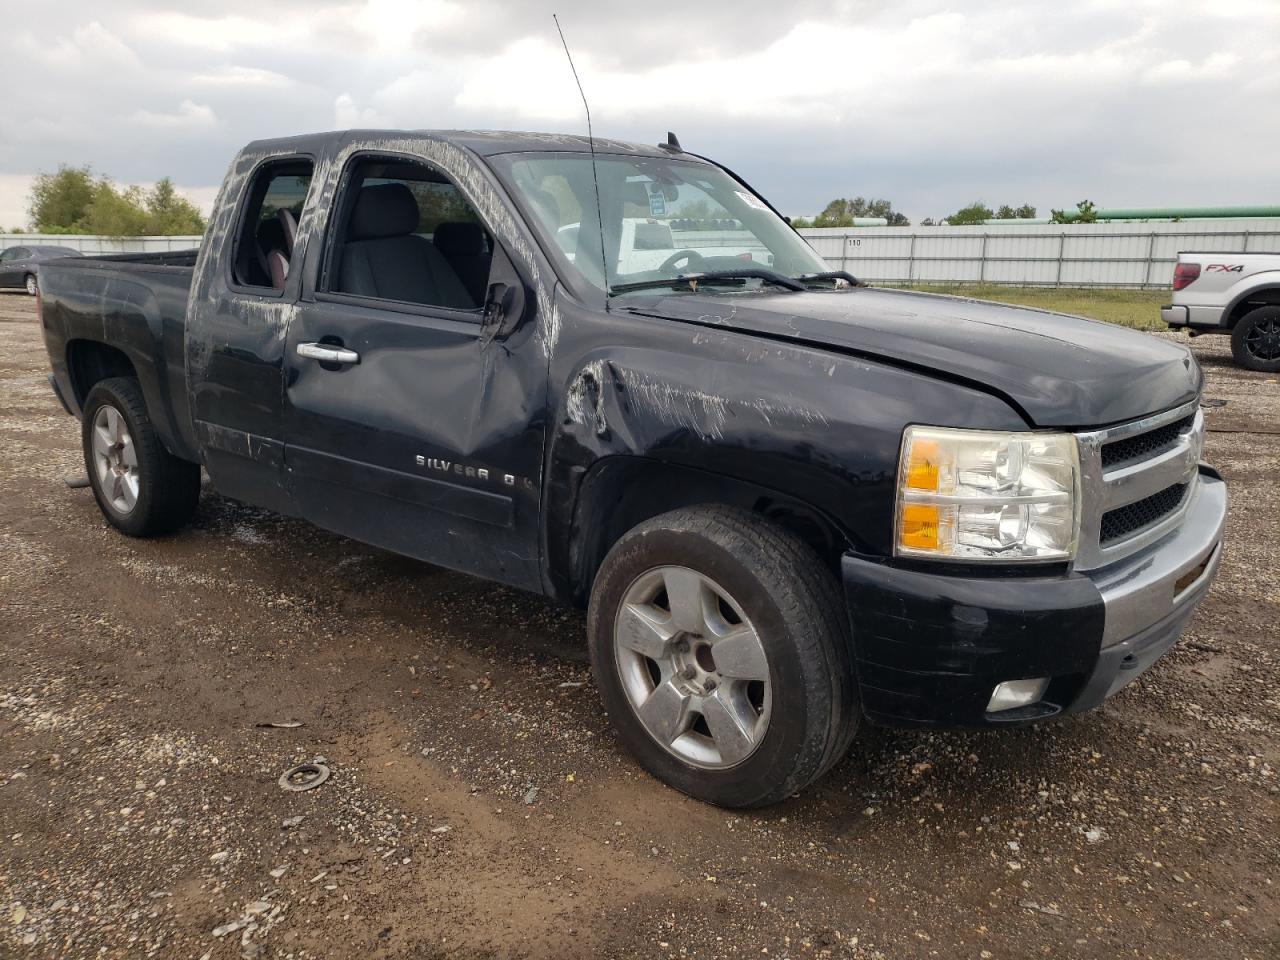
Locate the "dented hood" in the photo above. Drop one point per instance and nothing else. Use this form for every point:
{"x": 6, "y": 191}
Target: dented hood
{"x": 1059, "y": 370}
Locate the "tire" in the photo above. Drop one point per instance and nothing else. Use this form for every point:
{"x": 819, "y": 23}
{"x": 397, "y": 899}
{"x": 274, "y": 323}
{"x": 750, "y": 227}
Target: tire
{"x": 1255, "y": 340}
{"x": 761, "y": 591}
{"x": 29, "y": 281}
{"x": 141, "y": 488}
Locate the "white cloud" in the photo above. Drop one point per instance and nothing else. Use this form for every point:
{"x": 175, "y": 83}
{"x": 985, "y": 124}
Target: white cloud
{"x": 1214, "y": 66}
{"x": 927, "y": 102}
{"x": 216, "y": 33}
{"x": 348, "y": 116}
{"x": 15, "y": 188}
{"x": 232, "y": 75}
{"x": 88, "y": 45}
{"x": 190, "y": 115}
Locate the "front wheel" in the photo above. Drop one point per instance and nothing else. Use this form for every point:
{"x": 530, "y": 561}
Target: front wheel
{"x": 721, "y": 649}
{"x": 142, "y": 489}
{"x": 32, "y": 286}
{"x": 1255, "y": 340}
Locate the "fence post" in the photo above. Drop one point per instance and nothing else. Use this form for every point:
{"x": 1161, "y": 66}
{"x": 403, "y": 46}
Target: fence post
{"x": 982, "y": 259}
{"x": 911, "y": 260}
{"x": 1244, "y": 248}
{"x": 1151, "y": 261}
{"x": 844, "y": 252}
{"x": 1062, "y": 245}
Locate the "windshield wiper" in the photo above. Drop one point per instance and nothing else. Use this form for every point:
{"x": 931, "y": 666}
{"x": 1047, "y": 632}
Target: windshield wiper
{"x": 830, "y": 275}
{"x": 691, "y": 280}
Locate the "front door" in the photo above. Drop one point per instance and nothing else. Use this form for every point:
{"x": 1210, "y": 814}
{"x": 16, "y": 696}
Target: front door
{"x": 407, "y": 425}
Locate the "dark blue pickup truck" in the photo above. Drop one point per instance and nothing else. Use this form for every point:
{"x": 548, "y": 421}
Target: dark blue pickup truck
{"x": 788, "y": 501}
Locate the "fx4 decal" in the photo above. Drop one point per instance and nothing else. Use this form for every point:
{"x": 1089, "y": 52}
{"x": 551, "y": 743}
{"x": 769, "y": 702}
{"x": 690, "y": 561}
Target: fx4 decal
{"x": 1224, "y": 268}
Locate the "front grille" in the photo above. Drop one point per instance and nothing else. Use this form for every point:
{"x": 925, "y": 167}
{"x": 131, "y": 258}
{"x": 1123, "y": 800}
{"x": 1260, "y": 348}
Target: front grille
{"x": 1123, "y": 521}
{"x": 1145, "y": 445}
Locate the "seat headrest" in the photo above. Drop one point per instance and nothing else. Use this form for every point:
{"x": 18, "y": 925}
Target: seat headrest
{"x": 460, "y": 239}
{"x": 384, "y": 210}
{"x": 289, "y": 224}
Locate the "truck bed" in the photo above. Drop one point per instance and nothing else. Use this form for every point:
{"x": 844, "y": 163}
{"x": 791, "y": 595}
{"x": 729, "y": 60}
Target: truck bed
{"x": 96, "y": 309}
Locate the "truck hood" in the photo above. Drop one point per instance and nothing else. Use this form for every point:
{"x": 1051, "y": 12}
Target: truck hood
{"x": 1058, "y": 370}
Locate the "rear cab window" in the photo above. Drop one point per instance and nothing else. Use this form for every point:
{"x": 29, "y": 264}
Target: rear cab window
{"x": 263, "y": 253}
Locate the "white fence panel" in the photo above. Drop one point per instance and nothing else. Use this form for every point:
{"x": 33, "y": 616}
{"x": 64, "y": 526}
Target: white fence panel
{"x": 91, "y": 244}
{"x": 1113, "y": 254}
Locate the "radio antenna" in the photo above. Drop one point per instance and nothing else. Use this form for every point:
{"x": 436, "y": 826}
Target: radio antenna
{"x": 591, "y": 145}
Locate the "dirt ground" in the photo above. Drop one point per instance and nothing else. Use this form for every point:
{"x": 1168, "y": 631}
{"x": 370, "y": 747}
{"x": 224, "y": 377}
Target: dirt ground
{"x": 479, "y": 804}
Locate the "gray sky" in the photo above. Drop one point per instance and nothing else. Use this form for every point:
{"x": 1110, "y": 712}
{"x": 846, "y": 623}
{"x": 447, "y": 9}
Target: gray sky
{"x": 1126, "y": 102}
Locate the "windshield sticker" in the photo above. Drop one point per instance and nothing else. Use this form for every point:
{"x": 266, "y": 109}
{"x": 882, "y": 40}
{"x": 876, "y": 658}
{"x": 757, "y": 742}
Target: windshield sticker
{"x": 751, "y": 200}
{"x": 657, "y": 204}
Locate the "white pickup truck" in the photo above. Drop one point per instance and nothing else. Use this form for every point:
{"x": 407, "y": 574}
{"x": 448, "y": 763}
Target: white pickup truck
{"x": 1235, "y": 293}
{"x": 649, "y": 244}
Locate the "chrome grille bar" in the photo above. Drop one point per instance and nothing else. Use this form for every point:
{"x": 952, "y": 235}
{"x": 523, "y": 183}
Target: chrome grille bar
{"x": 1105, "y": 489}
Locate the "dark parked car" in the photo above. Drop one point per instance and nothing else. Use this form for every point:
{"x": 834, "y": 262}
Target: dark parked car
{"x": 787, "y": 501}
{"x": 18, "y": 265}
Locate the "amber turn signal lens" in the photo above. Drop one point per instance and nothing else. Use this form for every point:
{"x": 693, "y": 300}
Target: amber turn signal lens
{"x": 922, "y": 465}
{"x": 919, "y": 527}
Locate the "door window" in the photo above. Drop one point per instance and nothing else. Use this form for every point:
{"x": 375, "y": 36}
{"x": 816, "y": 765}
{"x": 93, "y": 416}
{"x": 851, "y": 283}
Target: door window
{"x": 264, "y": 247}
{"x": 406, "y": 234}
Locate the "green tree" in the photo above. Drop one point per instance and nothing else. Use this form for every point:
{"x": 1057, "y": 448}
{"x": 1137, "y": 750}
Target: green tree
{"x": 171, "y": 214}
{"x": 1024, "y": 212}
{"x": 975, "y": 212}
{"x": 116, "y": 213}
{"x": 842, "y": 211}
{"x": 72, "y": 200}
{"x": 60, "y": 201}
{"x": 1085, "y": 212}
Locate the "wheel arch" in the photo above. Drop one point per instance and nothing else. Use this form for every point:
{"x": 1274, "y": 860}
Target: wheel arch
{"x": 620, "y": 492}
{"x": 1265, "y": 296}
{"x": 91, "y": 361}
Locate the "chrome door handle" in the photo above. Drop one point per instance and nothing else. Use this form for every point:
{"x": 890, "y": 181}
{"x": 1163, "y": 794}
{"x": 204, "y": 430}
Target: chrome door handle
{"x": 327, "y": 354}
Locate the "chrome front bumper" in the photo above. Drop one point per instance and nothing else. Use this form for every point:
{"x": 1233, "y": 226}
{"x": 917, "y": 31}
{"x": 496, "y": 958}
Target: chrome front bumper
{"x": 1170, "y": 574}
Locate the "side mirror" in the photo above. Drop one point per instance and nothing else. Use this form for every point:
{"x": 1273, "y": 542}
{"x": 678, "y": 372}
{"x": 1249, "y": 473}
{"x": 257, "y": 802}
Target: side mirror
{"x": 503, "y": 310}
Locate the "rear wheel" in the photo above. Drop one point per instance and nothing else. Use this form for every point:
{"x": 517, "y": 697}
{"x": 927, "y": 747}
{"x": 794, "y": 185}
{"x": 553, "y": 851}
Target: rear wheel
{"x": 720, "y": 646}
{"x": 30, "y": 283}
{"x": 1255, "y": 340}
{"x": 141, "y": 488}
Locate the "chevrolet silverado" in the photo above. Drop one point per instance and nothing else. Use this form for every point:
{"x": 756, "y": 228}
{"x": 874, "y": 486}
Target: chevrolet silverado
{"x": 790, "y": 503}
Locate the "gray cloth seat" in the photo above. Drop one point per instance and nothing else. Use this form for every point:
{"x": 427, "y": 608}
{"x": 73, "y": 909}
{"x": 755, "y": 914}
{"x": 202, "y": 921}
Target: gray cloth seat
{"x": 466, "y": 248}
{"x": 384, "y": 258}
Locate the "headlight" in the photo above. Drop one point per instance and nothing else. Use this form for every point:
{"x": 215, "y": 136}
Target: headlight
{"x": 985, "y": 495}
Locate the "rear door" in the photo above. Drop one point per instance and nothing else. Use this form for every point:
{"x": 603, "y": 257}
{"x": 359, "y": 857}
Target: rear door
{"x": 241, "y": 301}
{"x": 407, "y": 424}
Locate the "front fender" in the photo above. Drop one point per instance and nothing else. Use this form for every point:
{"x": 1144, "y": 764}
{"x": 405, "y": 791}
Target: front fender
{"x": 821, "y": 427}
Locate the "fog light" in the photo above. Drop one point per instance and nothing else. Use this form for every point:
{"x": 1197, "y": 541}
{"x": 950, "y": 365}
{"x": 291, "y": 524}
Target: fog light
{"x": 1016, "y": 693}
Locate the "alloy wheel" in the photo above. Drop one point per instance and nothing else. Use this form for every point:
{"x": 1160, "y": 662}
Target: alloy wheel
{"x": 1262, "y": 341}
{"x": 692, "y": 667}
{"x": 115, "y": 459}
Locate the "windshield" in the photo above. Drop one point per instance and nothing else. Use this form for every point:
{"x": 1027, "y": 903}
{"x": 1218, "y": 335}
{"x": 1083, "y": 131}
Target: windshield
{"x": 662, "y": 219}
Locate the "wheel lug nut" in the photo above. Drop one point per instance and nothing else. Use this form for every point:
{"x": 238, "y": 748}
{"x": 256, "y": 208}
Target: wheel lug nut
{"x": 688, "y": 673}
{"x": 682, "y": 646}
{"x": 709, "y": 685}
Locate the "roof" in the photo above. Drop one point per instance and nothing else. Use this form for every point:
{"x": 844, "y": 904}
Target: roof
{"x": 486, "y": 143}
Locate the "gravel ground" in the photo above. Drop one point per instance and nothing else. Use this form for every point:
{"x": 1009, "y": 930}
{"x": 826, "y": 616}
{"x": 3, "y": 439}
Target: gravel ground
{"x": 479, "y": 804}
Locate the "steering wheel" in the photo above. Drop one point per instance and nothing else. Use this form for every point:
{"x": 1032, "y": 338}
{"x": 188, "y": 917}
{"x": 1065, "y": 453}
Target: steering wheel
{"x": 694, "y": 262}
